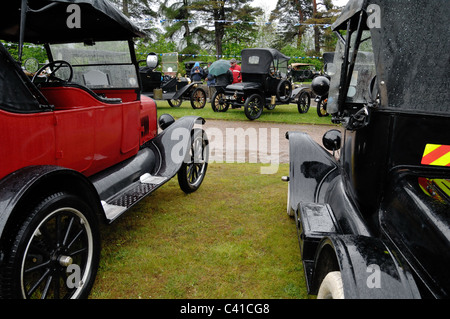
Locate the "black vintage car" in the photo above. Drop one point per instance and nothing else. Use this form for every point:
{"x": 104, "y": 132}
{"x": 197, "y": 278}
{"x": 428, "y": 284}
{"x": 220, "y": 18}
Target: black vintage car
{"x": 303, "y": 71}
{"x": 265, "y": 83}
{"x": 373, "y": 220}
{"x": 171, "y": 86}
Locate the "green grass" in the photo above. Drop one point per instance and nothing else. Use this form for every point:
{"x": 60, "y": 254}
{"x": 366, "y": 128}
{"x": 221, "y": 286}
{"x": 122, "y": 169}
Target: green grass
{"x": 230, "y": 239}
{"x": 281, "y": 114}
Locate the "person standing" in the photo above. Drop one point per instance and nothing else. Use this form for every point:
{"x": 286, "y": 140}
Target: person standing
{"x": 211, "y": 82}
{"x": 196, "y": 73}
{"x": 236, "y": 69}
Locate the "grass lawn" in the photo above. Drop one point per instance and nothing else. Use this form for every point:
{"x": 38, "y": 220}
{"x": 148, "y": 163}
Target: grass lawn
{"x": 281, "y": 114}
{"x": 230, "y": 239}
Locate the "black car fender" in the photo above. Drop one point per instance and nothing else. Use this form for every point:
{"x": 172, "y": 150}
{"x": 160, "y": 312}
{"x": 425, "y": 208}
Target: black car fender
{"x": 187, "y": 88}
{"x": 368, "y": 267}
{"x": 173, "y": 144}
{"x": 309, "y": 165}
{"x": 28, "y": 184}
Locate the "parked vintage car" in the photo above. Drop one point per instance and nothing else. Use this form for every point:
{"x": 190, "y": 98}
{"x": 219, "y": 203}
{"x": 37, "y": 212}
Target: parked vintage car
{"x": 373, "y": 220}
{"x": 265, "y": 83}
{"x": 303, "y": 71}
{"x": 173, "y": 87}
{"x": 79, "y": 144}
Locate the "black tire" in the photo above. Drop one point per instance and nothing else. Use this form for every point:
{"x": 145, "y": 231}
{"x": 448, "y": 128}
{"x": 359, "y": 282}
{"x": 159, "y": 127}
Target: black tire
{"x": 175, "y": 103}
{"x": 303, "y": 102}
{"x": 193, "y": 169}
{"x": 198, "y": 98}
{"x": 218, "y": 102}
{"x": 253, "y": 107}
{"x": 55, "y": 253}
{"x": 284, "y": 91}
{"x": 322, "y": 108}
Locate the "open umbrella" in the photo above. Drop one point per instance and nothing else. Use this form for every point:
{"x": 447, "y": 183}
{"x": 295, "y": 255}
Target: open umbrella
{"x": 219, "y": 67}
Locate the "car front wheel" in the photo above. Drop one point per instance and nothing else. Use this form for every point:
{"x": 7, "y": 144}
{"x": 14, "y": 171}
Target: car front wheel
{"x": 253, "y": 107}
{"x": 55, "y": 253}
{"x": 198, "y": 98}
{"x": 303, "y": 103}
{"x": 193, "y": 169}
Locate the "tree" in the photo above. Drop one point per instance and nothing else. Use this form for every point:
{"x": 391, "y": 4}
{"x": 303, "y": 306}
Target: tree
{"x": 325, "y": 16}
{"x": 223, "y": 13}
{"x": 293, "y": 16}
{"x": 290, "y": 16}
{"x": 142, "y": 13}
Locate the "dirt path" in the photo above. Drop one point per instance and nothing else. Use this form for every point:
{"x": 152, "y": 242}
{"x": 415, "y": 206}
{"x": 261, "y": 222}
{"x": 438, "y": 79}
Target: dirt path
{"x": 255, "y": 142}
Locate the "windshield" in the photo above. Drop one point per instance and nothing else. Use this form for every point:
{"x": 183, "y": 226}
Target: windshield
{"x": 169, "y": 63}
{"x": 361, "y": 76}
{"x": 102, "y": 65}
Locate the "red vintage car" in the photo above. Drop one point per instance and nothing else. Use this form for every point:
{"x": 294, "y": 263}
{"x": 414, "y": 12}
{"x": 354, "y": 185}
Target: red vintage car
{"x": 79, "y": 143}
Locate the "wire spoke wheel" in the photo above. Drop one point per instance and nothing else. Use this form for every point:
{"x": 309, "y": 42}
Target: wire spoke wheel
{"x": 198, "y": 98}
{"x": 219, "y": 103}
{"x": 193, "y": 169}
{"x": 322, "y": 108}
{"x": 303, "y": 103}
{"x": 56, "y": 252}
{"x": 175, "y": 103}
{"x": 254, "y": 106}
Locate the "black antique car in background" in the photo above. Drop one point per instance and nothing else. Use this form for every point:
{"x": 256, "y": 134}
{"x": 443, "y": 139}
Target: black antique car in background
{"x": 372, "y": 208}
{"x": 303, "y": 71}
{"x": 167, "y": 84}
{"x": 265, "y": 83}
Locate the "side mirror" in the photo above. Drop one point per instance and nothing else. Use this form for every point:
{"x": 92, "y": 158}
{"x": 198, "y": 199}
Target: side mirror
{"x": 152, "y": 60}
{"x": 320, "y": 85}
{"x": 332, "y": 140}
{"x": 165, "y": 121}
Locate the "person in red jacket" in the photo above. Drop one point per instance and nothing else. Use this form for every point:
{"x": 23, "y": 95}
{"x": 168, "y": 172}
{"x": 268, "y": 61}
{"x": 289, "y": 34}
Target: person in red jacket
{"x": 236, "y": 69}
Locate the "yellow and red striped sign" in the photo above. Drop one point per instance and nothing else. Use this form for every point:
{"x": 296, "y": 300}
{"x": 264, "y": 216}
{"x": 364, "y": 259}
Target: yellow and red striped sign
{"x": 437, "y": 155}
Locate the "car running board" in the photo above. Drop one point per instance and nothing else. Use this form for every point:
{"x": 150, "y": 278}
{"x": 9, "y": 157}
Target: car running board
{"x": 121, "y": 202}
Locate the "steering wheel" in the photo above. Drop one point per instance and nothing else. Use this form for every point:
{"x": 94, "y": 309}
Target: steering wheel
{"x": 54, "y": 67}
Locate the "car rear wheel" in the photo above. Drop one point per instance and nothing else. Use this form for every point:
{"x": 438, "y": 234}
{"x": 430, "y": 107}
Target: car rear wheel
{"x": 193, "y": 169}
{"x": 219, "y": 103}
{"x": 198, "y": 98}
{"x": 253, "y": 107}
{"x": 175, "y": 103}
{"x": 55, "y": 253}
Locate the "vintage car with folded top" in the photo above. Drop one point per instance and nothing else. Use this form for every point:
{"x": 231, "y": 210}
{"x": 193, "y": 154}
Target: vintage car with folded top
{"x": 79, "y": 143}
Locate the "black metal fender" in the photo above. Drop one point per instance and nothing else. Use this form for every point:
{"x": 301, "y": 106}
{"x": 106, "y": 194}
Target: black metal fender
{"x": 27, "y": 184}
{"x": 180, "y": 93}
{"x": 368, "y": 267}
{"x": 296, "y": 92}
{"x": 172, "y": 145}
{"x": 309, "y": 165}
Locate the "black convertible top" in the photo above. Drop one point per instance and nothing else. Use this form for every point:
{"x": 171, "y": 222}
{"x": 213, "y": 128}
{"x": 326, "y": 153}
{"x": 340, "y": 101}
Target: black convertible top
{"x": 259, "y": 60}
{"x": 48, "y": 21}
